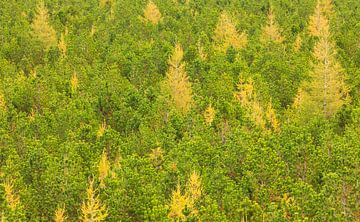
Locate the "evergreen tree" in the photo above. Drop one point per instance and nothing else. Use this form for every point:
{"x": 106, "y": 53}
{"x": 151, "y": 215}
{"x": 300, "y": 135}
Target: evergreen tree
{"x": 42, "y": 30}
{"x": 152, "y": 13}
{"x": 177, "y": 84}
{"x": 226, "y": 35}
{"x": 271, "y": 32}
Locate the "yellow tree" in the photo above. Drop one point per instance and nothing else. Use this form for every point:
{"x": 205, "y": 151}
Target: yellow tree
{"x": 12, "y": 199}
{"x": 103, "y": 167}
{"x": 272, "y": 31}
{"x": 42, "y": 30}
{"x": 297, "y": 43}
{"x": 318, "y": 23}
{"x": 226, "y": 35}
{"x": 60, "y": 214}
{"x": 152, "y": 13}
{"x": 177, "y": 205}
{"x": 62, "y": 45}
{"x": 92, "y": 210}
{"x": 177, "y": 84}
{"x": 327, "y": 91}
{"x": 209, "y": 115}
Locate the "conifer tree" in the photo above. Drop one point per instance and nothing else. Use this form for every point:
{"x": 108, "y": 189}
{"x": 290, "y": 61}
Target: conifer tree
{"x": 209, "y": 115}
{"x": 152, "y": 13}
{"x": 248, "y": 99}
{"x": 60, "y": 214}
{"x": 272, "y": 31}
{"x": 42, "y": 30}
{"x": 2, "y": 103}
{"x": 104, "y": 167}
{"x": 177, "y": 204}
{"x": 157, "y": 156}
{"x": 226, "y": 35}
{"x": 62, "y": 45}
{"x": 194, "y": 187}
{"x": 318, "y": 23}
{"x": 327, "y": 7}
{"x": 297, "y": 43}
{"x": 177, "y": 84}
{"x": 101, "y": 130}
{"x": 12, "y": 199}
{"x": 74, "y": 82}
{"x": 327, "y": 91}
{"x": 92, "y": 210}
{"x": 271, "y": 117}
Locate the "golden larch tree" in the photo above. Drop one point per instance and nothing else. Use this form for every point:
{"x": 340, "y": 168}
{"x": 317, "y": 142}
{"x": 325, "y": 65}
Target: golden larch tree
{"x": 60, "y": 214}
{"x": 104, "y": 168}
{"x": 327, "y": 7}
{"x": 3, "y": 107}
{"x": 271, "y": 117}
{"x": 226, "y": 35}
{"x": 101, "y": 130}
{"x": 152, "y": 13}
{"x": 177, "y": 84}
{"x": 157, "y": 156}
{"x": 209, "y": 115}
{"x": 12, "y": 199}
{"x": 92, "y": 210}
{"x": 297, "y": 43}
{"x": 74, "y": 82}
{"x": 42, "y": 30}
{"x": 318, "y": 23}
{"x": 194, "y": 187}
{"x": 62, "y": 45}
{"x": 271, "y": 31}
{"x": 327, "y": 89}
{"x": 177, "y": 205}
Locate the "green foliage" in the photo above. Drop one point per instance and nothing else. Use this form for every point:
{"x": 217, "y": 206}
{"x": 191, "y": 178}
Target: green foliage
{"x": 101, "y": 89}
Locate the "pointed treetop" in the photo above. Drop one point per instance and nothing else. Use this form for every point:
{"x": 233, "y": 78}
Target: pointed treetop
{"x": 152, "y": 13}
{"x": 272, "y": 31}
{"x": 226, "y": 34}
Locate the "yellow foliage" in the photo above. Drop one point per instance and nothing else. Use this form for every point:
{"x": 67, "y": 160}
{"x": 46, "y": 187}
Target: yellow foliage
{"x": 226, "y": 34}
{"x": 2, "y": 103}
{"x": 297, "y": 43}
{"x": 178, "y": 203}
{"x": 177, "y": 84}
{"x": 318, "y": 23}
{"x": 60, "y": 214}
{"x": 327, "y": 7}
{"x": 271, "y": 117}
{"x": 201, "y": 51}
{"x": 103, "y": 3}
{"x": 326, "y": 92}
{"x": 74, "y": 82}
{"x": 209, "y": 115}
{"x": 152, "y": 13}
{"x": 245, "y": 91}
{"x": 101, "y": 130}
{"x": 32, "y": 115}
{"x": 2, "y": 217}
{"x": 194, "y": 186}
{"x": 62, "y": 45}
{"x": 12, "y": 199}
{"x": 271, "y": 32}
{"x": 92, "y": 210}
{"x": 42, "y": 29}
{"x": 104, "y": 167}
{"x": 157, "y": 156}
{"x": 93, "y": 30}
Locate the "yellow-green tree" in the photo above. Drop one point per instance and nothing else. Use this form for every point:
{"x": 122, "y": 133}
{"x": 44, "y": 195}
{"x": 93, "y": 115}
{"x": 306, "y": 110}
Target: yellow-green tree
{"x": 271, "y": 31}
{"x": 12, "y": 199}
{"x": 152, "y": 13}
{"x": 177, "y": 85}
{"x": 42, "y": 30}
{"x": 327, "y": 91}
{"x": 60, "y": 214}
{"x": 226, "y": 35}
{"x": 318, "y": 23}
{"x": 92, "y": 210}
{"x": 104, "y": 168}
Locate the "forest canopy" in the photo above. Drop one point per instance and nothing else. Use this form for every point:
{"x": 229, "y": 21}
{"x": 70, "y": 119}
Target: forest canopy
{"x": 180, "y": 110}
